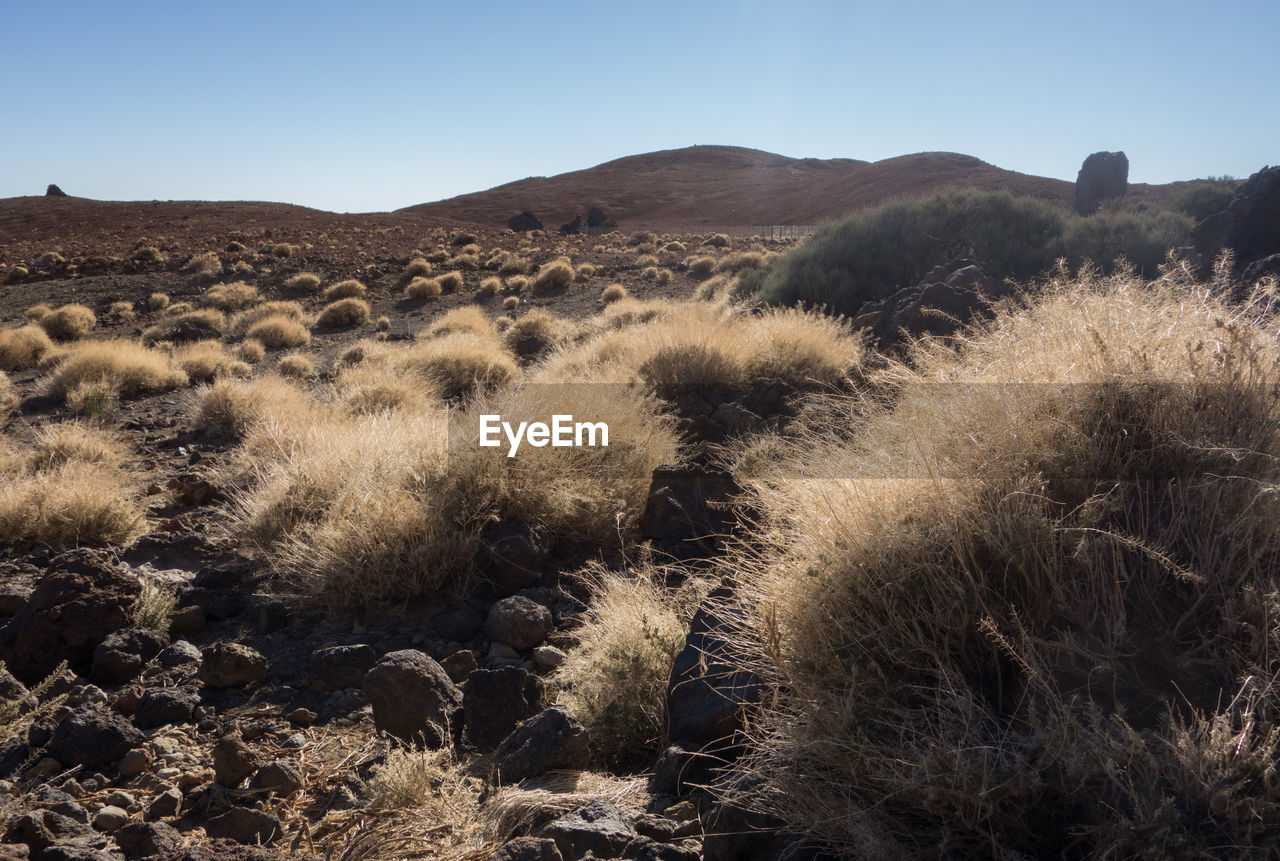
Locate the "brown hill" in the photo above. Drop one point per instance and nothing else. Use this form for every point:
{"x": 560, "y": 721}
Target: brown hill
{"x": 713, "y": 186}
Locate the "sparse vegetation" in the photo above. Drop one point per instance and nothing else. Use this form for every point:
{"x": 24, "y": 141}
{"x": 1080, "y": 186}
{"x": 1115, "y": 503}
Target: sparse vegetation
{"x": 129, "y": 368}
{"x": 158, "y": 301}
{"x": 279, "y": 331}
{"x": 417, "y": 268}
{"x": 23, "y": 348}
{"x": 68, "y": 322}
{"x": 450, "y": 281}
{"x": 491, "y": 286}
{"x": 231, "y": 297}
{"x": 298, "y": 366}
{"x": 303, "y": 284}
{"x": 349, "y": 289}
{"x": 555, "y": 275}
{"x": 533, "y": 333}
{"x": 423, "y": 288}
{"x": 613, "y": 293}
{"x": 343, "y": 314}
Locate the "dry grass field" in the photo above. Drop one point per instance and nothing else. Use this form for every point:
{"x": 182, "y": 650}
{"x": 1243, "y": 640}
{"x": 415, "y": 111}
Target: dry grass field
{"x": 1007, "y": 592}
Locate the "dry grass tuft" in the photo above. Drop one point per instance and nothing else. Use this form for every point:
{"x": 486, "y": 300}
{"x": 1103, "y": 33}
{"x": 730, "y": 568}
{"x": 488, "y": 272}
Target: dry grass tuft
{"x": 535, "y": 332}
{"x": 243, "y": 321}
{"x": 490, "y": 286}
{"x": 615, "y": 682}
{"x": 465, "y": 319}
{"x": 343, "y": 314}
{"x": 613, "y": 293}
{"x": 586, "y": 271}
{"x": 23, "y": 348}
{"x": 35, "y": 312}
{"x": 228, "y": 409}
{"x": 303, "y": 284}
{"x": 9, "y": 399}
{"x": 231, "y": 297}
{"x": 158, "y": 301}
{"x": 701, "y": 267}
{"x": 462, "y": 362}
{"x": 249, "y": 351}
{"x": 417, "y": 268}
{"x": 450, "y": 281}
{"x": 423, "y": 288}
{"x": 349, "y": 289}
{"x": 741, "y": 260}
{"x": 204, "y": 265}
{"x": 1048, "y": 632}
{"x": 154, "y": 607}
{"x": 511, "y": 302}
{"x": 279, "y": 331}
{"x": 68, "y": 322}
{"x": 178, "y": 326}
{"x": 203, "y": 360}
{"x": 130, "y": 369}
{"x": 297, "y": 366}
{"x": 555, "y": 275}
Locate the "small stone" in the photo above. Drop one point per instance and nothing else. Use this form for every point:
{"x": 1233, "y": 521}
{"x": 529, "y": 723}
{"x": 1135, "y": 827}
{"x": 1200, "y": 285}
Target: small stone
{"x": 519, "y": 622}
{"x": 44, "y": 769}
{"x": 528, "y": 849}
{"x": 187, "y": 620}
{"x": 166, "y": 804}
{"x": 120, "y": 798}
{"x": 233, "y": 761}
{"x": 229, "y": 665}
{"x": 280, "y": 776}
{"x": 459, "y": 665}
{"x": 502, "y": 652}
{"x": 301, "y": 717}
{"x": 548, "y": 658}
{"x": 110, "y": 818}
{"x": 145, "y": 839}
{"x": 178, "y": 654}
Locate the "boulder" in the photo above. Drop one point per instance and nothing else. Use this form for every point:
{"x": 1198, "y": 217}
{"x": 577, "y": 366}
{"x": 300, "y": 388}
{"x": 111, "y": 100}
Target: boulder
{"x": 413, "y": 698}
{"x": 948, "y": 298}
{"x": 599, "y": 827}
{"x": 708, "y": 689}
{"x": 334, "y": 668}
{"x": 495, "y": 701}
{"x": 122, "y": 655}
{"x": 245, "y": 825}
{"x": 519, "y": 622}
{"x": 93, "y": 737}
{"x": 570, "y": 228}
{"x": 230, "y": 665}
{"x": 281, "y": 776}
{"x": 523, "y": 222}
{"x": 144, "y": 839}
{"x": 41, "y": 829}
{"x": 528, "y": 849}
{"x": 1249, "y": 226}
{"x": 1104, "y": 175}
{"x": 84, "y": 599}
{"x": 688, "y": 502}
{"x": 233, "y": 761}
{"x": 163, "y": 706}
{"x": 457, "y": 625}
{"x": 54, "y": 191}
{"x": 551, "y": 740}
{"x": 511, "y": 556}
{"x": 179, "y": 654}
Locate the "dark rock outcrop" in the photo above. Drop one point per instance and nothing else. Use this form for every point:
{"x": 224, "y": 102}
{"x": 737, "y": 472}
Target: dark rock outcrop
{"x": 495, "y": 701}
{"x": 333, "y": 668}
{"x": 54, "y": 191}
{"x": 121, "y": 656}
{"x": 571, "y": 228}
{"x": 551, "y": 740}
{"x": 512, "y": 555}
{"x": 598, "y": 827}
{"x": 413, "y": 698}
{"x": 1103, "y": 176}
{"x": 947, "y": 299}
{"x": 523, "y": 222}
{"x": 93, "y": 737}
{"x": 1249, "y": 226}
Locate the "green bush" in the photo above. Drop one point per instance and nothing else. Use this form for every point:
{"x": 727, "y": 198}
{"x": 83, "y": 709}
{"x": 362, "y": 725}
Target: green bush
{"x": 875, "y": 252}
{"x": 1206, "y": 197}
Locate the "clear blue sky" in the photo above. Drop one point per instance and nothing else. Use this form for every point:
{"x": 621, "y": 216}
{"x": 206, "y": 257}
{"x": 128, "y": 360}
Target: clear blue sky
{"x": 372, "y": 107}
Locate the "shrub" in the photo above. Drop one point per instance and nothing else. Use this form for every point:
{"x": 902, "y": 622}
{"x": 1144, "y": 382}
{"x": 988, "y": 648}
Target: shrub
{"x": 613, "y": 293}
{"x": 462, "y": 363}
{"x": 674, "y": 247}
{"x": 615, "y": 682}
{"x": 8, "y": 397}
{"x": 515, "y": 266}
{"x": 205, "y": 324}
{"x": 343, "y": 314}
{"x": 148, "y": 254}
{"x": 36, "y": 311}
{"x": 154, "y": 607}
{"x": 1141, "y": 238}
{"x": 701, "y": 266}
{"x": 510, "y": 302}
{"x": 65, "y": 442}
{"x": 465, "y": 319}
{"x": 554, "y": 275}
{"x": 491, "y": 286}
{"x": 131, "y": 369}
{"x": 417, "y": 268}
{"x": 250, "y": 351}
{"x": 641, "y": 237}
{"x": 304, "y": 283}
{"x": 50, "y": 259}
{"x": 202, "y": 361}
{"x": 234, "y": 247}
{"x": 279, "y": 331}
{"x": 717, "y": 240}
{"x": 231, "y": 297}
{"x": 383, "y": 324}
{"x": 450, "y": 281}
{"x": 243, "y": 321}
{"x": 282, "y": 249}
{"x": 990, "y": 650}
{"x": 68, "y": 322}
{"x": 516, "y": 283}
{"x": 380, "y": 385}
{"x": 741, "y": 260}
{"x": 17, "y": 273}
{"x": 228, "y": 409}
{"x": 158, "y": 301}
{"x": 464, "y": 239}
{"x": 586, "y": 272}
{"x": 423, "y": 288}
{"x": 533, "y": 333}
{"x": 349, "y": 289}
{"x": 205, "y": 265}
{"x": 96, "y": 400}
{"x": 1205, "y": 198}
{"x": 23, "y": 348}
{"x": 663, "y": 277}
{"x": 298, "y": 366}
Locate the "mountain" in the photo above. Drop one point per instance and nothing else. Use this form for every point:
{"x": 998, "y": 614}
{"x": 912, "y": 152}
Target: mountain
{"x": 701, "y": 187}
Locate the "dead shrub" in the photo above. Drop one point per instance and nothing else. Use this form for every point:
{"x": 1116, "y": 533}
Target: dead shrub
{"x": 23, "y": 348}
{"x": 423, "y": 288}
{"x": 349, "y": 289}
{"x": 158, "y": 301}
{"x": 297, "y": 366}
{"x": 613, "y": 293}
{"x": 703, "y": 266}
{"x": 450, "y": 281}
{"x": 465, "y": 319}
{"x": 303, "y": 284}
{"x": 231, "y": 297}
{"x": 202, "y": 361}
{"x": 534, "y": 332}
{"x": 279, "y": 331}
{"x": 491, "y": 286}
{"x": 129, "y": 368}
{"x": 555, "y": 275}
{"x": 343, "y": 314}
{"x": 68, "y": 322}
{"x": 244, "y": 320}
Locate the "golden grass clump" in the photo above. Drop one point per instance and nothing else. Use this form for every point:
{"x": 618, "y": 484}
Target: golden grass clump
{"x": 1028, "y": 609}
{"x": 535, "y": 332}
{"x": 228, "y": 408}
{"x": 462, "y": 362}
{"x": 8, "y": 397}
{"x": 349, "y": 289}
{"x": 235, "y": 296}
{"x": 511, "y": 302}
{"x": 343, "y": 314}
{"x": 468, "y": 318}
{"x": 514, "y": 265}
{"x": 450, "y": 281}
{"x": 613, "y": 293}
{"x": 741, "y": 260}
{"x": 303, "y": 284}
{"x": 244, "y": 320}
{"x": 297, "y": 366}
{"x": 417, "y": 268}
{"x": 363, "y": 508}
{"x": 249, "y": 351}
{"x": 23, "y": 348}
{"x": 35, "y": 312}
{"x": 377, "y": 383}
{"x": 204, "y": 265}
{"x": 203, "y": 360}
{"x": 279, "y": 331}
{"x": 128, "y": 367}
{"x": 423, "y": 288}
{"x": 382, "y": 324}
{"x": 516, "y": 283}
{"x": 615, "y": 682}
{"x": 702, "y": 266}
{"x": 490, "y": 286}
{"x": 157, "y": 301}
{"x": 586, "y": 271}
{"x": 671, "y": 345}
{"x": 178, "y": 326}
{"x": 68, "y": 322}
{"x": 554, "y": 275}
{"x": 69, "y": 485}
